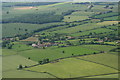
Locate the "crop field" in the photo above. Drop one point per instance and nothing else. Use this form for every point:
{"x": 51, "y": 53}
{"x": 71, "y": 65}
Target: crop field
{"x": 11, "y": 63}
{"x": 40, "y": 54}
{"x": 112, "y": 27}
{"x": 6, "y": 52}
{"x": 82, "y": 13}
{"x": 107, "y": 23}
{"x": 114, "y": 18}
{"x": 111, "y": 61}
{"x": 74, "y": 18}
{"x": 101, "y": 30}
{"x": 85, "y": 27}
{"x": 21, "y": 47}
{"x": 25, "y": 74}
{"x": 63, "y": 69}
{"x": 106, "y": 15}
{"x": 105, "y": 48}
{"x": 106, "y": 76}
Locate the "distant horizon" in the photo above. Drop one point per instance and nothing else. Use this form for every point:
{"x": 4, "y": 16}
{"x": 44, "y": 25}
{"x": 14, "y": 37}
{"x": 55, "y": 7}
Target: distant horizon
{"x": 60, "y": 0}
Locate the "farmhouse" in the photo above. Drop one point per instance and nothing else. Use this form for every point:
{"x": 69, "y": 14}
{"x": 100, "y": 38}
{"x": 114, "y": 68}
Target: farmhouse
{"x": 70, "y": 37}
{"x": 34, "y": 45}
{"x": 90, "y": 7}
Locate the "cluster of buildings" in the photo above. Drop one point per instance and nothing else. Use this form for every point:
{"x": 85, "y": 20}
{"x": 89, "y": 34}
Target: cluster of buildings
{"x": 48, "y": 44}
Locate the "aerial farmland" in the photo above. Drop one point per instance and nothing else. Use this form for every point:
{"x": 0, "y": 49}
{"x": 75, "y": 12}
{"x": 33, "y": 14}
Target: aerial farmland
{"x": 60, "y": 40}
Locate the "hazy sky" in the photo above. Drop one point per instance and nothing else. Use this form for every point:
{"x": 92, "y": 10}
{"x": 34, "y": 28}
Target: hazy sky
{"x": 59, "y": 0}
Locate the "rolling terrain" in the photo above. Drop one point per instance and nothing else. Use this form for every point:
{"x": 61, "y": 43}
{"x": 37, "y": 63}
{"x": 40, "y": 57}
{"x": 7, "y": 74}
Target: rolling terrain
{"x": 60, "y": 40}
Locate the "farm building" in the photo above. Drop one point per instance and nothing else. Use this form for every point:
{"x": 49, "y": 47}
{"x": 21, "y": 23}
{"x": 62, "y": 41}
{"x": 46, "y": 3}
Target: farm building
{"x": 34, "y": 45}
{"x": 90, "y": 7}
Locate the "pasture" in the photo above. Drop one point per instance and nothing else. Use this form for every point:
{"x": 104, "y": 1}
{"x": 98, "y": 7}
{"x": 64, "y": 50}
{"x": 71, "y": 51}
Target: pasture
{"x": 106, "y": 76}
{"x": 82, "y": 13}
{"x": 12, "y": 29}
{"x": 105, "y": 48}
{"x": 97, "y": 31}
{"x": 76, "y": 32}
{"x": 114, "y": 18}
{"x": 79, "y": 68}
{"x": 72, "y": 18}
{"x": 55, "y": 53}
{"x": 11, "y": 63}
{"x": 86, "y": 27}
{"x": 111, "y": 61}
{"x": 7, "y": 52}
{"x": 106, "y": 15}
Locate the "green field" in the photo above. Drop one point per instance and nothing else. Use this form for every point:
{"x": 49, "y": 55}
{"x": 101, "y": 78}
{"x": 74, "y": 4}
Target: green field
{"x": 84, "y": 27}
{"x": 79, "y": 68}
{"x": 106, "y": 76}
{"x": 12, "y": 29}
{"x": 105, "y": 48}
{"x": 101, "y": 30}
{"x": 114, "y": 18}
{"x": 82, "y": 13}
{"x": 25, "y": 74}
{"x": 6, "y": 52}
{"x": 11, "y": 63}
{"x": 60, "y": 40}
{"x": 111, "y": 61}
{"x": 55, "y": 53}
{"x": 72, "y": 18}
{"x": 106, "y": 15}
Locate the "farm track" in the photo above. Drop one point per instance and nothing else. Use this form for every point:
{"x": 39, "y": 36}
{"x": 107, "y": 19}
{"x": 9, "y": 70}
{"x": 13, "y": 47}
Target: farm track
{"x": 98, "y": 63}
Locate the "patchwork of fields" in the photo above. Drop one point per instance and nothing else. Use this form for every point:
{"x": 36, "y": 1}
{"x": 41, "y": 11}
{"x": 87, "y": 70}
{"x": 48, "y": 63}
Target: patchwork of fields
{"x": 60, "y": 40}
{"x": 81, "y": 66}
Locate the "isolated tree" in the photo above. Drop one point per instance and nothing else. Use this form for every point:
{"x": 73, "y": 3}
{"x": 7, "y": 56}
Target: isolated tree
{"x": 26, "y": 30}
{"x": 26, "y": 66}
{"x": 40, "y": 62}
{"x": 20, "y": 66}
{"x": 63, "y": 51}
{"x": 7, "y": 12}
{"x": 47, "y": 60}
{"x": 94, "y": 53}
{"x": 43, "y": 47}
{"x": 28, "y": 57}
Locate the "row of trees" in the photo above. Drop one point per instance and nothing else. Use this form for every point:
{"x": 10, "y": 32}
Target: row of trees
{"x": 44, "y": 61}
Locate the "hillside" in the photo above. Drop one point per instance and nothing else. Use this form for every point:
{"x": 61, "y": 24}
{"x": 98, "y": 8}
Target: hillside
{"x": 60, "y": 40}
